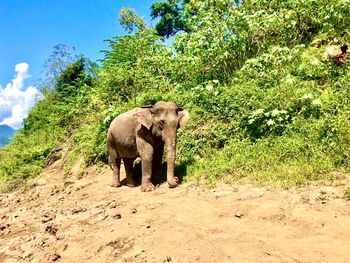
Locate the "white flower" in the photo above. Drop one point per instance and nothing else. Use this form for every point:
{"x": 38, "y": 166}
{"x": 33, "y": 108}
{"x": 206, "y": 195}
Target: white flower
{"x": 307, "y": 96}
{"x": 290, "y": 80}
{"x": 316, "y": 102}
{"x": 209, "y": 87}
{"x": 275, "y": 112}
{"x": 270, "y": 122}
{"x": 258, "y": 112}
{"x": 315, "y": 62}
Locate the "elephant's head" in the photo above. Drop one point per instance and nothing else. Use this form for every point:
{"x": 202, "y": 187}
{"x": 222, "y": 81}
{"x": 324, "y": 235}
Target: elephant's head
{"x": 163, "y": 119}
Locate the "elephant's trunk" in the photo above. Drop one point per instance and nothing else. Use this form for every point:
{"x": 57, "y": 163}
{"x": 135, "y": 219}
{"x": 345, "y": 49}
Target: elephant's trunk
{"x": 171, "y": 150}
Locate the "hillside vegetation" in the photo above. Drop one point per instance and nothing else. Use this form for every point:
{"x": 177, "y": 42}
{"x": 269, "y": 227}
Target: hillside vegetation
{"x": 267, "y": 84}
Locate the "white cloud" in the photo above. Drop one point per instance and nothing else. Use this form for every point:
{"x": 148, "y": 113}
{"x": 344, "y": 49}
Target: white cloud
{"x": 15, "y": 100}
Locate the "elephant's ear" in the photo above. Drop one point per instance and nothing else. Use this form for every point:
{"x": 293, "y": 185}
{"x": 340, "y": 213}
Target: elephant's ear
{"x": 184, "y": 116}
{"x": 144, "y": 116}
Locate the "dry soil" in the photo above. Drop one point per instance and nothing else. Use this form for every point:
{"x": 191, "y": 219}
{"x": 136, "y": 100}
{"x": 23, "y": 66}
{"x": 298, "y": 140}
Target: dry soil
{"x": 70, "y": 220}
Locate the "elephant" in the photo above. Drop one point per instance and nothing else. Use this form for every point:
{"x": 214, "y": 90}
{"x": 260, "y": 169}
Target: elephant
{"x": 143, "y": 132}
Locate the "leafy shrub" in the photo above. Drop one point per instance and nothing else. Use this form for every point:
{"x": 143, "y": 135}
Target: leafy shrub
{"x": 262, "y": 122}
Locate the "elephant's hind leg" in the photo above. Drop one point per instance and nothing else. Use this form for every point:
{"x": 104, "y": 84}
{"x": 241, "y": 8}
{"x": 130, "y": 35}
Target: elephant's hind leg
{"x": 116, "y": 173}
{"x": 115, "y": 163}
{"x": 128, "y": 164}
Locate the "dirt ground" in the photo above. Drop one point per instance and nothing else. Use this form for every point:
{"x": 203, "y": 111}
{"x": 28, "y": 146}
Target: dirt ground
{"x": 70, "y": 220}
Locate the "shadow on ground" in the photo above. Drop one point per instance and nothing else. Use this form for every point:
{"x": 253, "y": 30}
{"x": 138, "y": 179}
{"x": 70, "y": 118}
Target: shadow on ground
{"x": 180, "y": 172}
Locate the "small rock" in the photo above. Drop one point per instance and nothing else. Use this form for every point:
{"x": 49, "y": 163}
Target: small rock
{"x": 239, "y": 214}
{"x": 59, "y": 237}
{"x": 55, "y": 257}
{"x": 100, "y": 212}
{"x": 78, "y": 210}
{"x": 67, "y": 183}
{"x": 65, "y": 247}
{"x": 117, "y": 216}
{"x": 48, "y": 216}
{"x": 27, "y": 255}
{"x": 333, "y": 51}
{"x": 43, "y": 243}
{"x": 54, "y": 190}
{"x": 168, "y": 259}
{"x": 112, "y": 205}
{"x": 4, "y": 217}
{"x": 104, "y": 217}
{"x": 133, "y": 211}
{"x": 4, "y": 226}
{"x": 41, "y": 182}
{"x": 51, "y": 229}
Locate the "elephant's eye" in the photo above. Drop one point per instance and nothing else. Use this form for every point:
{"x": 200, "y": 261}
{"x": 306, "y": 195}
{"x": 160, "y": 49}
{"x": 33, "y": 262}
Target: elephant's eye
{"x": 161, "y": 124}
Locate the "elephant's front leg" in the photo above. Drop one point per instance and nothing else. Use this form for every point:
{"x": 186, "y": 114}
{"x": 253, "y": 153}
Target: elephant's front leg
{"x": 146, "y": 183}
{"x": 146, "y": 154}
{"x": 145, "y": 149}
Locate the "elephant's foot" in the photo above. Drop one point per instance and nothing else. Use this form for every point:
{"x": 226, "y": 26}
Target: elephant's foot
{"x": 115, "y": 184}
{"x": 147, "y": 187}
{"x": 130, "y": 182}
{"x": 173, "y": 182}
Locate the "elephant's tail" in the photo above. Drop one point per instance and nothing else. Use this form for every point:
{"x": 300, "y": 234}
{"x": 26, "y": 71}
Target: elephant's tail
{"x": 109, "y": 162}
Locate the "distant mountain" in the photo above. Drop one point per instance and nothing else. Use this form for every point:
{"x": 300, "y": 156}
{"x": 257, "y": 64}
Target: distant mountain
{"x": 6, "y": 134}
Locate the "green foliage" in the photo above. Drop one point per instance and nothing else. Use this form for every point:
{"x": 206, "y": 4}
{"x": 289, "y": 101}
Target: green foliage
{"x": 26, "y": 155}
{"x": 130, "y": 20}
{"x": 262, "y": 122}
{"x": 48, "y": 124}
{"x": 172, "y": 17}
{"x": 58, "y": 60}
{"x": 347, "y": 194}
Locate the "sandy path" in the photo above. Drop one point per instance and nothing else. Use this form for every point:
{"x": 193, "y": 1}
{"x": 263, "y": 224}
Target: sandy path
{"x": 87, "y": 221}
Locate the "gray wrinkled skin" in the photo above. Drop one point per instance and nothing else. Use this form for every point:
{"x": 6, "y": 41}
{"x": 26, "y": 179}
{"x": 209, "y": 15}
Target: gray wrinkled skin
{"x": 143, "y": 132}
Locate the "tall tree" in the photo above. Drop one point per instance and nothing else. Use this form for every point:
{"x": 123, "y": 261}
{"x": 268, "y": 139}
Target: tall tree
{"x": 172, "y": 17}
{"x": 58, "y": 60}
{"x": 130, "y": 21}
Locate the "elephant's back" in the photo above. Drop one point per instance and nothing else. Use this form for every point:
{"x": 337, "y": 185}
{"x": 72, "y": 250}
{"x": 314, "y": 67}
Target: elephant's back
{"x": 123, "y": 119}
{"x": 123, "y": 133}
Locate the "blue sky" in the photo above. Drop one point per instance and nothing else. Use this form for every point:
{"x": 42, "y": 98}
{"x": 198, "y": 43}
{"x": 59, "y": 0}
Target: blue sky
{"x": 30, "y": 28}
